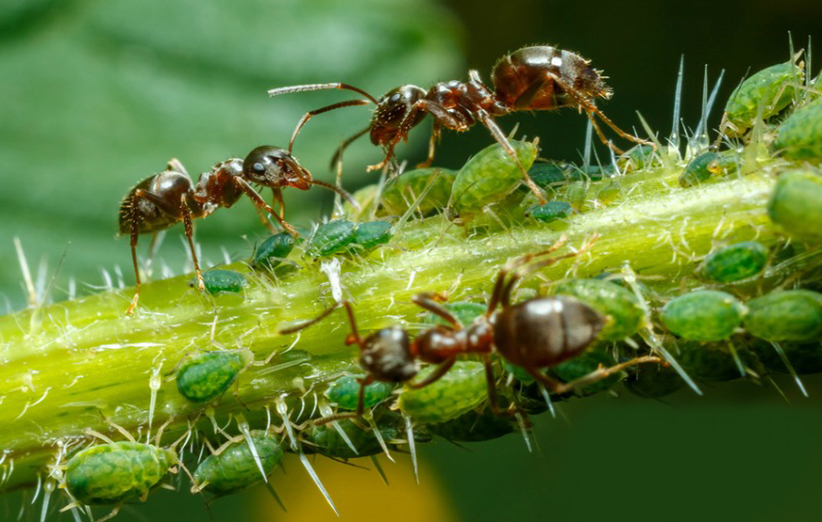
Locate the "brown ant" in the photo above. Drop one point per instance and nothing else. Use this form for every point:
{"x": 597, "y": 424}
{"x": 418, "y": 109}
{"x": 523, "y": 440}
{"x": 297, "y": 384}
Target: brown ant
{"x": 162, "y": 200}
{"x": 529, "y": 79}
{"x": 534, "y": 334}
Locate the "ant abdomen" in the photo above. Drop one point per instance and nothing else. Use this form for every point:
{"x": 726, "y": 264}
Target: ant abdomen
{"x": 168, "y": 186}
{"x": 546, "y": 331}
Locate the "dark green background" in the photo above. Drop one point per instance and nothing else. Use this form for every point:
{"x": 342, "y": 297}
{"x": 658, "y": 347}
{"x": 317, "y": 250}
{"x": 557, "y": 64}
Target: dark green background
{"x": 95, "y": 96}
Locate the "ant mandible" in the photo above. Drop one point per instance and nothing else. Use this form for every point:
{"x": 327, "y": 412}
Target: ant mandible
{"x": 534, "y": 334}
{"x": 162, "y": 200}
{"x": 529, "y": 79}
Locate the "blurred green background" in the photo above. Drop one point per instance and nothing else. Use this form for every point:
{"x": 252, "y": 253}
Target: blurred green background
{"x": 95, "y": 96}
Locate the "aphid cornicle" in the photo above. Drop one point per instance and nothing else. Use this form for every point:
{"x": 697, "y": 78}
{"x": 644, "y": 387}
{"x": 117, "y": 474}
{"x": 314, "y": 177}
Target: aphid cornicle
{"x": 528, "y": 79}
{"x": 533, "y": 334}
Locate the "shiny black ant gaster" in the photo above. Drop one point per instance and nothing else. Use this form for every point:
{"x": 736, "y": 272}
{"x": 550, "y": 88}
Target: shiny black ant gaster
{"x": 529, "y": 79}
{"x": 162, "y": 200}
{"x": 534, "y": 334}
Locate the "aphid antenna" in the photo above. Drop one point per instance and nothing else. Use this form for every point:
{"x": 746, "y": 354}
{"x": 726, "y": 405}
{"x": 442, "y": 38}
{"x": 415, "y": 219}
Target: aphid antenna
{"x": 282, "y": 410}
{"x": 649, "y": 335}
{"x": 412, "y": 446}
{"x": 673, "y": 140}
{"x": 789, "y": 366}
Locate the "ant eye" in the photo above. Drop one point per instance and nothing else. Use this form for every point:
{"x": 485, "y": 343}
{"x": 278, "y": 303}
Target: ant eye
{"x": 258, "y": 167}
{"x": 395, "y": 98}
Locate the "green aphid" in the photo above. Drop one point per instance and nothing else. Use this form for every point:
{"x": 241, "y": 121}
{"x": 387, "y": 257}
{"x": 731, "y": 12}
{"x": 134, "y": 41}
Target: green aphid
{"x": 221, "y": 282}
{"x": 800, "y": 135}
{"x": 464, "y": 311}
{"x": 697, "y": 170}
{"x": 805, "y": 357}
{"x": 474, "y": 427}
{"x": 462, "y": 389}
{"x": 584, "y": 364}
{"x": 725, "y": 162}
{"x": 208, "y": 375}
{"x": 769, "y": 91}
{"x": 608, "y": 192}
{"x": 652, "y": 381}
{"x": 576, "y": 193}
{"x": 371, "y": 234}
{"x": 790, "y": 315}
{"x": 796, "y": 203}
{"x": 235, "y": 468}
{"x": 273, "y": 251}
{"x": 736, "y": 262}
{"x": 404, "y": 190}
{"x": 333, "y": 237}
{"x": 704, "y": 315}
{"x": 551, "y": 175}
{"x": 550, "y": 211}
{"x": 489, "y": 177}
{"x": 617, "y": 303}
{"x": 638, "y": 158}
{"x": 344, "y": 392}
{"x": 708, "y": 363}
{"x": 117, "y": 472}
{"x": 326, "y": 440}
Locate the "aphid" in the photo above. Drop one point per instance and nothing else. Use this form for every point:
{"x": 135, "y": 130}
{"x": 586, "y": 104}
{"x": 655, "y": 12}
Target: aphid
{"x": 790, "y": 315}
{"x": 704, "y": 315}
{"x": 796, "y": 203}
{"x": 534, "y": 334}
{"x": 208, "y": 375}
{"x": 332, "y": 237}
{"x": 273, "y": 251}
{"x": 164, "y": 199}
{"x": 638, "y": 158}
{"x": 326, "y": 440}
{"x": 551, "y": 175}
{"x": 769, "y": 91}
{"x": 402, "y": 191}
{"x": 697, "y": 170}
{"x": 550, "y": 211}
{"x": 653, "y": 382}
{"x": 222, "y": 281}
{"x": 619, "y": 305}
{"x": 800, "y": 135}
{"x": 233, "y": 466}
{"x": 489, "y": 177}
{"x": 529, "y": 79}
{"x": 736, "y": 262}
{"x": 459, "y": 391}
{"x": 371, "y": 234}
{"x": 344, "y": 392}
{"x": 473, "y": 427}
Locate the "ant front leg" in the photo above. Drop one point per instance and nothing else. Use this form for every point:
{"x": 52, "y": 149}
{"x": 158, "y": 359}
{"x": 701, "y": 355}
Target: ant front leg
{"x": 436, "y": 132}
{"x": 260, "y": 203}
{"x": 189, "y": 234}
{"x": 493, "y": 396}
{"x": 135, "y": 233}
{"x": 496, "y": 132}
{"x": 428, "y": 301}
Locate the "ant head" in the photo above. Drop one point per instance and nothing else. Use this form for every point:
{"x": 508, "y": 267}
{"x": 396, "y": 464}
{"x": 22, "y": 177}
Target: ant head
{"x": 386, "y": 354}
{"x": 391, "y": 111}
{"x": 587, "y": 80}
{"x": 275, "y": 167}
{"x": 216, "y": 188}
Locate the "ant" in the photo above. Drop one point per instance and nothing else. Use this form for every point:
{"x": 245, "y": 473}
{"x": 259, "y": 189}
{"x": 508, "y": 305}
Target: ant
{"x": 162, "y": 200}
{"x": 534, "y": 334}
{"x": 529, "y": 79}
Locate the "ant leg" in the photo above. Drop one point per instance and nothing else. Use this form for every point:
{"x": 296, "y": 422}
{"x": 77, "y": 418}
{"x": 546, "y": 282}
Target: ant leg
{"x": 302, "y": 326}
{"x": 436, "y": 375}
{"x": 605, "y": 141}
{"x": 277, "y": 197}
{"x": 175, "y": 165}
{"x": 135, "y": 232}
{"x": 320, "y": 87}
{"x": 602, "y": 373}
{"x": 260, "y": 203}
{"x": 350, "y": 415}
{"x": 389, "y": 153}
{"x": 428, "y": 301}
{"x": 432, "y": 145}
{"x": 189, "y": 234}
{"x": 336, "y": 161}
{"x": 496, "y": 132}
{"x": 549, "y": 382}
{"x": 308, "y": 115}
{"x": 493, "y": 397}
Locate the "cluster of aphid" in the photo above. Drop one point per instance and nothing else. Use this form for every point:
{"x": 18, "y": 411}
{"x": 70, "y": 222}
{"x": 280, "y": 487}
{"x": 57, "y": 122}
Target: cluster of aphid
{"x": 492, "y": 366}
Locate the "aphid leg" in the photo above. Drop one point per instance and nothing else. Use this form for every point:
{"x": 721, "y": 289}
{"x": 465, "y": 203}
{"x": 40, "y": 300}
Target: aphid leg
{"x": 189, "y": 234}
{"x": 434, "y": 376}
{"x": 498, "y": 135}
{"x": 601, "y": 373}
{"x": 308, "y": 115}
{"x": 260, "y": 203}
{"x": 428, "y": 301}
